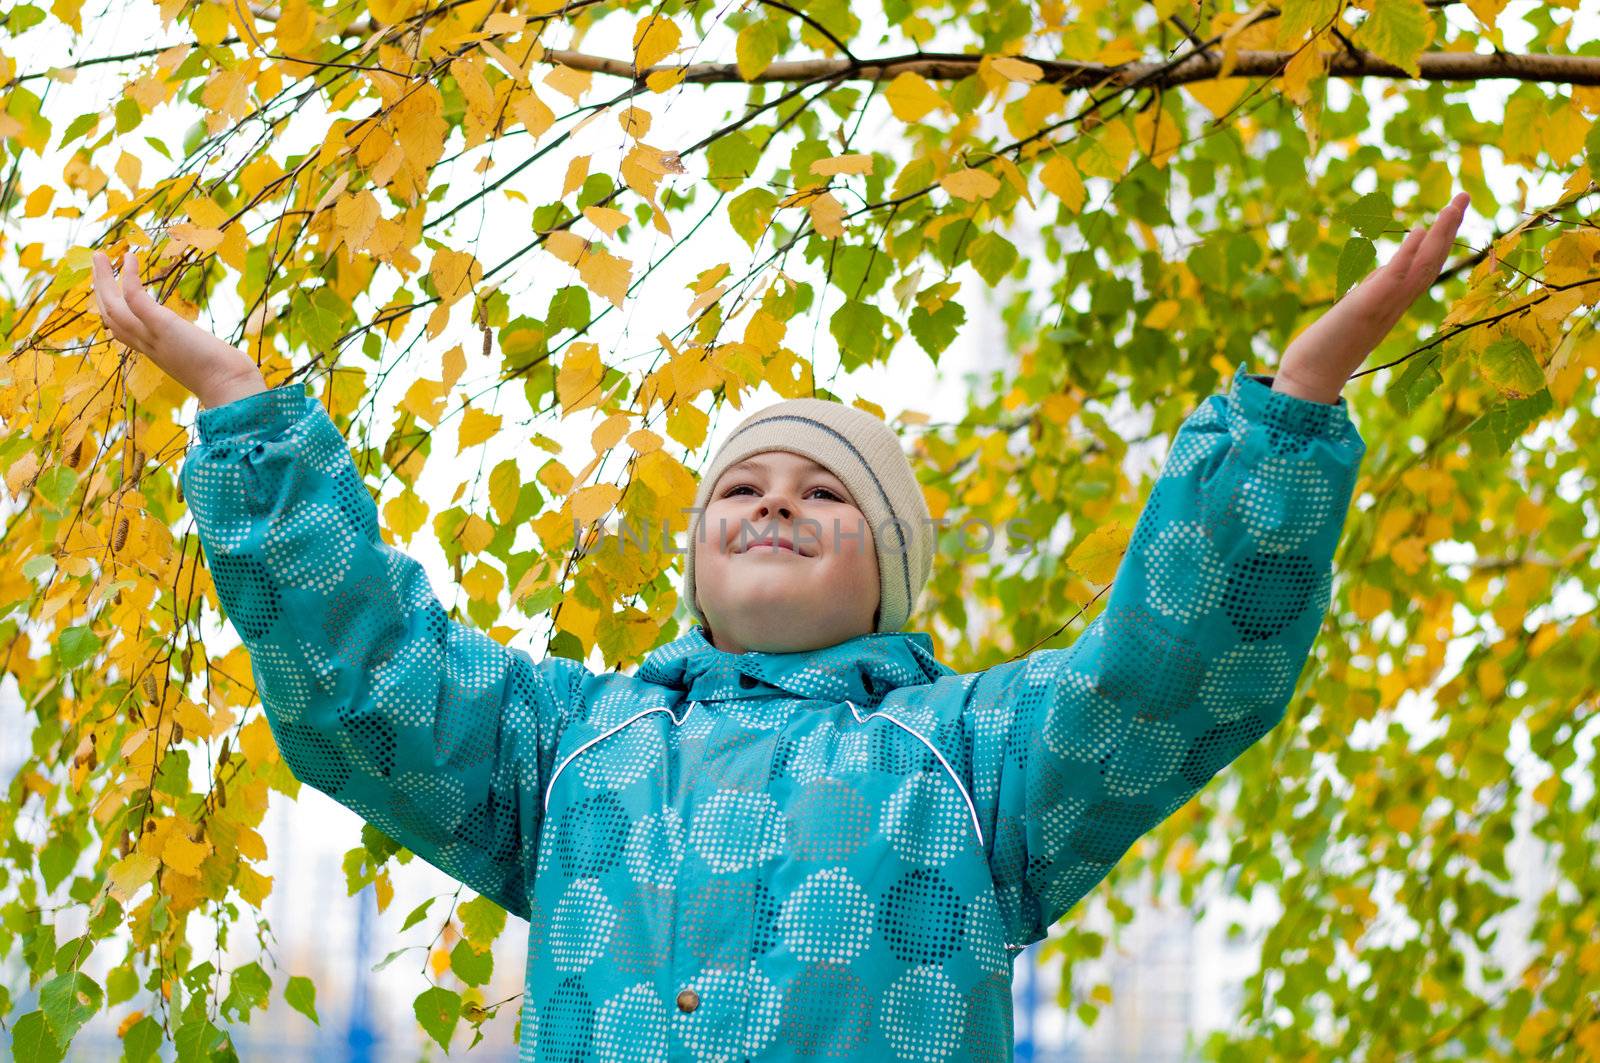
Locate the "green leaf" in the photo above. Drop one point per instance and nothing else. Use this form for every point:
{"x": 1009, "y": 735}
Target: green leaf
{"x": 731, "y": 160}
{"x": 750, "y": 212}
{"x": 1420, "y": 379}
{"x": 417, "y": 914}
{"x": 1396, "y": 30}
{"x": 122, "y": 982}
{"x": 68, "y": 1001}
{"x": 57, "y": 858}
{"x": 437, "y": 1010}
{"x": 482, "y": 920}
{"x": 301, "y": 994}
{"x": 992, "y": 255}
{"x": 858, "y": 329}
{"x": 474, "y": 967}
{"x": 396, "y": 954}
{"x": 32, "y": 1041}
{"x": 142, "y": 1041}
{"x": 248, "y": 988}
{"x": 936, "y": 331}
{"x": 55, "y": 485}
{"x": 76, "y": 645}
{"x": 1370, "y": 214}
{"x": 201, "y": 1041}
{"x": 1357, "y": 258}
{"x": 379, "y": 845}
{"x": 1510, "y": 366}
{"x": 756, "y": 47}
{"x": 569, "y": 309}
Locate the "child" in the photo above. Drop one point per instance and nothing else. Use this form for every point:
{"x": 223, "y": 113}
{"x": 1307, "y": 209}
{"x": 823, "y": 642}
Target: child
{"x": 793, "y": 832}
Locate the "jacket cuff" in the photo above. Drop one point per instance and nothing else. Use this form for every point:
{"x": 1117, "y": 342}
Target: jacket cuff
{"x": 260, "y": 416}
{"x": 1254, "y": 395}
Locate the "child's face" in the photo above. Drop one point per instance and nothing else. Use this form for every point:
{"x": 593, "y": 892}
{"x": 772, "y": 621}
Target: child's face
{"x": 774, "y": 600}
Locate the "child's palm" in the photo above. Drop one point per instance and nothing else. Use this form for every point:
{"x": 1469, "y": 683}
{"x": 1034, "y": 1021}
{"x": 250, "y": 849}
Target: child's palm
{"x": 215, "y": 371}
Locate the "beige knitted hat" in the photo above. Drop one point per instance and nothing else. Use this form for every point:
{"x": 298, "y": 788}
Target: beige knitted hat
{"x": 865, "y": 454}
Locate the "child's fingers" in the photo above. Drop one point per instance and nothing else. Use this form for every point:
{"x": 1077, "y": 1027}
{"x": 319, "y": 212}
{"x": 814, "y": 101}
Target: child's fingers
{"x": 112, "y": 306}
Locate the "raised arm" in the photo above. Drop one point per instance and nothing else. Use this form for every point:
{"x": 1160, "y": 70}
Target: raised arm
{"x": 427, "y": 728}
{"x": 1076, "y": 752}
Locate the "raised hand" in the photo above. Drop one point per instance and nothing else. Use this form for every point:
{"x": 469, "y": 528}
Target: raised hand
{"x": 215, "y": 371}
{"x": 1320, "y": 360}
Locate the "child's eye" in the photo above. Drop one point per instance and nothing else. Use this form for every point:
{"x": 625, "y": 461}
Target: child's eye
{"x": 746, "y": 487}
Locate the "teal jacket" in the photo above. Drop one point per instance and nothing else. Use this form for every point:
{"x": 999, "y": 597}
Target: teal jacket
{"x": 775, "y": 856}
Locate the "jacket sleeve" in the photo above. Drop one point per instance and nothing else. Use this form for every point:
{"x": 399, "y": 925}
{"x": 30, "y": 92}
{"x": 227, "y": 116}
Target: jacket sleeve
{"x": 1077, "y": 752}
{"x": 428, "y": 729}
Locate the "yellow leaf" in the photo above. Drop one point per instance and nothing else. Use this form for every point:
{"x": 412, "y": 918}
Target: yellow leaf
{"x": 1014, "y": 69}
{"x": 662, "y": 80}
{"x": 578, "y": 381}
{"x": 38, "y": 200}
{"x": 256, "y": 742}
{"x": 653, "y": 40}
{"x": 424, "y": 400}
{"x": 476, "y": 534}
{"x": 578, "y": 619}
{"x": 612, "y": 429}
{"x": 1096, "y": 558}
{"x": 184, "y": 855}
{"x": 555, "y": 476}
{"x": 1161, "y": 314}
{"x": 476, "y": 427}
{"x": 1217, "y": 96}
{"x": 1158, "y": 134}
{"x": 404, "y": 514}
{"x": 131, "y": 872}
{"x": 454, "y": 274}
{"x": 858, "y": 162}
{"x": 568, "y": 246}
{"x": 827, "y": 215}
{"x": 1062, "y": 179}
{"x": 388, "y": 12}
{"x": 591, "y": 503}
{"x": 644, "y": 441}
{"x": 970, "y": 184}
{"x": 569, "y": 82}
{"x": 1403, "y": 818}
{"x": 688, "y": 425}
{"x": 483, "y": 582}
{"x": 1014, "y": 177}
{"x": 251, "y": 884}
{"x": 534, "y": 114}
{"x": 669, "y": 481}
{"x": 607, "y": 219}
{"x": 607, "y": 275}
{"x": 577, "y": 170}
{"x": 186, "y": 235}
{"x": 910, "y": 97}
{"x": 635, "y": 121}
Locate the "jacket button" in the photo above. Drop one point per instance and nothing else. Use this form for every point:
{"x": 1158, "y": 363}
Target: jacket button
{"x": 747, "y": 681}
{"x": 688, "y": 1000}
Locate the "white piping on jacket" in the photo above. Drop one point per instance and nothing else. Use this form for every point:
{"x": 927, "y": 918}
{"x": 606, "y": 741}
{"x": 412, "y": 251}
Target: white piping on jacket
{"x": 965, "y": 796}
{"x": 676, "y": 720}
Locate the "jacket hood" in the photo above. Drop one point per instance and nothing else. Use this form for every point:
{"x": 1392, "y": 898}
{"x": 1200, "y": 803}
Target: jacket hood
{"x": 862, "y": 669}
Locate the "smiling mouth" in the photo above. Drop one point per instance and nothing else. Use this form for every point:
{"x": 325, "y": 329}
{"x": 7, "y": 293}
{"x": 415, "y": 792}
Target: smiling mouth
{"x": 772, "y": 545}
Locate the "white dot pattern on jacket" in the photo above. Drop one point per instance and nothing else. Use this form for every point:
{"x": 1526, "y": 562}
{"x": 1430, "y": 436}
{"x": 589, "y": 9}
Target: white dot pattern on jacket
{"x": 823, "y": 855}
